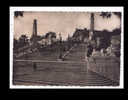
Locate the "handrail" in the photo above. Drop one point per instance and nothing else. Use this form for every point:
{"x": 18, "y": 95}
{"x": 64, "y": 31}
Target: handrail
{"x": 38, "y": 61}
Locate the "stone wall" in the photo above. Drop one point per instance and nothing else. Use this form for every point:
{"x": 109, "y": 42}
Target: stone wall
{"x": 108, "y": 67}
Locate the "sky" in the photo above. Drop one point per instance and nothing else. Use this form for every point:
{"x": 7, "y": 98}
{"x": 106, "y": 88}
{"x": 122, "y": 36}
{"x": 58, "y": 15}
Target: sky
{"x": 61, "y": 22}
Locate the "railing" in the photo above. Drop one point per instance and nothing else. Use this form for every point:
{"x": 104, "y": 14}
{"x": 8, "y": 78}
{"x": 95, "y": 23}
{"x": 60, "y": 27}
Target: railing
{"x": 106, "y": 66}
{"x": 22, "y": 67}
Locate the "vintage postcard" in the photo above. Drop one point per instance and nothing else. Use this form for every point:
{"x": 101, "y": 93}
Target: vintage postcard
{"x": 66, "y": 47}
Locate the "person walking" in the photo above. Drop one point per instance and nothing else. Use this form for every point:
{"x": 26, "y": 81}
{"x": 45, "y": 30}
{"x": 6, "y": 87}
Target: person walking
{"x": 89, "y": 51}
{"x": 34, "y": 66}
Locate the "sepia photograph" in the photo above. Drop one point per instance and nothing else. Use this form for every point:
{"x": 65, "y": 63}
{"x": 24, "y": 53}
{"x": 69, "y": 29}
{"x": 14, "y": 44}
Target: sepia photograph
{"x": 66, "y": 47}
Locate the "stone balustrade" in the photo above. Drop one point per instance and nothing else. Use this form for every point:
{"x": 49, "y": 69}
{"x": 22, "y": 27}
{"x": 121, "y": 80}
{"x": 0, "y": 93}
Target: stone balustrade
{"x": 108, "y": 67}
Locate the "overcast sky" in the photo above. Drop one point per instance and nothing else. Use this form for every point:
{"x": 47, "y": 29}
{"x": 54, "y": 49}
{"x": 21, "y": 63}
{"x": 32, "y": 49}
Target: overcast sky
{"x": 61, "y": 22}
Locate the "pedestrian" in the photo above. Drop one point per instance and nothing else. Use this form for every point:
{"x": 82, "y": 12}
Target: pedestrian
{"x": 89, "y": 51}
{"x": 34, "y": 66}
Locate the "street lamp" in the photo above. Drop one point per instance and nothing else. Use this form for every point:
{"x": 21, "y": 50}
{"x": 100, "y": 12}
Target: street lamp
{"x": 60, "y": 47}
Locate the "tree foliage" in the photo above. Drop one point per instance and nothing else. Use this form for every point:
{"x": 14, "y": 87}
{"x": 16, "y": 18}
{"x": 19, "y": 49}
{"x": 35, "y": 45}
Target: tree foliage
{"x": 105, "y": 14}
{"x": 23, "y": 40}
{"x": 18, "y": 13}
{"x": 50, "y": 34}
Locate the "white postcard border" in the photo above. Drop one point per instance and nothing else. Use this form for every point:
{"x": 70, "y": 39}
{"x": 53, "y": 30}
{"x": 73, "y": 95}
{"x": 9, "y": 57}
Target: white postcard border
{"x": 67, "y": 9}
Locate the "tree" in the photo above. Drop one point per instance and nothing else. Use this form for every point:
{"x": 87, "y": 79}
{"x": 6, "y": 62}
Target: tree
{"x": 23, "y": 40}
{"x": 105, "y": 41}
{"x": 18, "y": 13}
{"x": 115, "y": 31}
{"x": 109, "y": 14}
{"x": 118, "y": 14}
{"x": 106, "y": 14}
{"x": 80, "y": 34}
{"x": 51, "y": 35}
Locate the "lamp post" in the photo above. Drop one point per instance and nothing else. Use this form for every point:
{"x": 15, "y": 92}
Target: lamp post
{"x": 60, "y": 47}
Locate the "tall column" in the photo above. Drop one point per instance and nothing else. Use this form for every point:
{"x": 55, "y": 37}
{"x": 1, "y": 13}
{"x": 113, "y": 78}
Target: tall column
{"x": 91, "y": 26}
{"x": 35, "y": 27}
{"x": 34, "y": 34}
